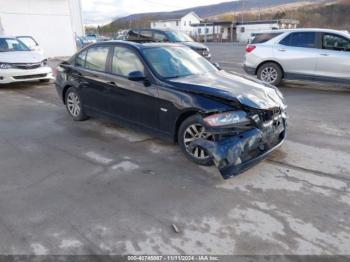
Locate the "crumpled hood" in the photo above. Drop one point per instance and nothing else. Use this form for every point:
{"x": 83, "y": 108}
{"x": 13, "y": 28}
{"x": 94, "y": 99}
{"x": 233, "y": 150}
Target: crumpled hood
{"x": 21, "y": 57}
{"x": 195, "y": 45}
{"x": 248, "y": 91}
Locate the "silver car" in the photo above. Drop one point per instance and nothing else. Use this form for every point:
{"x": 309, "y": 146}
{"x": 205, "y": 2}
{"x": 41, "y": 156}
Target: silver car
{"x": 299, "y": 54}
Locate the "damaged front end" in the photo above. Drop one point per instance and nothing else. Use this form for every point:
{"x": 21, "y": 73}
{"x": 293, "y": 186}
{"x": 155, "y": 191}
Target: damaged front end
{"x": 237, "y": 147}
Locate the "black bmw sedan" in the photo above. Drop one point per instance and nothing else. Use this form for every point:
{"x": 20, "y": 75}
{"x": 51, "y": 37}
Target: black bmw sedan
{"x": 216, "y": 117}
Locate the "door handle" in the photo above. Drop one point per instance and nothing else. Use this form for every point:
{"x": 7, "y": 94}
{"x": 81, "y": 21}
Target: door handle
{"x": 324, "y": 54}
{"x": 282, "y": 50}
{"x": 112, "y": 83}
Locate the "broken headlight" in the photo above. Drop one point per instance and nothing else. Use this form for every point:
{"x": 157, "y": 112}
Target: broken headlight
{"x": 227, "y": 118}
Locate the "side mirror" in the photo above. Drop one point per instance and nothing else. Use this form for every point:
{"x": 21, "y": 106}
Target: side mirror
{"x": 217, "y": 66}
{"x": 136, "y": 76}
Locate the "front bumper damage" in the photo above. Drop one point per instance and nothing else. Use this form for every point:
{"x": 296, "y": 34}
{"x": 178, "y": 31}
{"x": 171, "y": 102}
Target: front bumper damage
{"x": 237, "y": 151}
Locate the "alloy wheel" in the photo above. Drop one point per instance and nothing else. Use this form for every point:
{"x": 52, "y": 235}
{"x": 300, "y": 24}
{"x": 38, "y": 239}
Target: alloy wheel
{"x": 269, "y": 75}
{"x": 73, "y": 104}
{"x": 193, "y": 133}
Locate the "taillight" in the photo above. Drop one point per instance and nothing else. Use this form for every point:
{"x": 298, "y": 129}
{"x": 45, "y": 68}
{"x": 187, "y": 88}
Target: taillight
{"x": 57, "y": 70}
{"x": 250, "y": 48}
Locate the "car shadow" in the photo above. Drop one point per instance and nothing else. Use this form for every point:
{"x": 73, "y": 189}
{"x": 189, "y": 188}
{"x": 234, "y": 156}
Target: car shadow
{"x": 23, "y": 85}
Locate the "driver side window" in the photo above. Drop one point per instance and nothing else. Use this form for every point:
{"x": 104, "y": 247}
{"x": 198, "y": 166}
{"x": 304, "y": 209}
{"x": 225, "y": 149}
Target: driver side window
{"x": 125, "y": 61}
{"x": 335, "y": 42}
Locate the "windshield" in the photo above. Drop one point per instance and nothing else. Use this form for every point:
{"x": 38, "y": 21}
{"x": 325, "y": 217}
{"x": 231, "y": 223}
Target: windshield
{"x": 176, "y": 61}
{"x": 178, "y": 37}
{"x": 28, "y": 41}
{"x": 12, "y": 45}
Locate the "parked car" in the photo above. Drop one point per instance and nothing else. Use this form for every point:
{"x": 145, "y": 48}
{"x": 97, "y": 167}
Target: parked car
{"x": 31, "y": 43}
{"x": 168, "y": 36}
{"x": 79, "y": 41}
{"x": 300, "y": 54}
{"x": 90, "y": 39}
{"x": 18, "y": 63}
{"x": 121, "y": 35}
{"x": 169, "y": 90}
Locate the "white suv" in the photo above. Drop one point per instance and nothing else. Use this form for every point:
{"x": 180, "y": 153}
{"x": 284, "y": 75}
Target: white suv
{"x": 299, "y": 54}
{"x": 18, "y": 63}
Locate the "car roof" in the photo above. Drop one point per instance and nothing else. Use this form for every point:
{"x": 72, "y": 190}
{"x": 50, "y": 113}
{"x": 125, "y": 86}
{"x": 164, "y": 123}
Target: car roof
{"x": 154, "y": 29}
{"x": 324, "y": 30}
{"x": 7, "y": 36}
{"x": 138, "y": 45}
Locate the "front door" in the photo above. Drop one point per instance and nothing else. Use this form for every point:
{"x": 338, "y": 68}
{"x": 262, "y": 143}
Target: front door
{"x": 133, "y": 101}
{"x": 334, "y": 58}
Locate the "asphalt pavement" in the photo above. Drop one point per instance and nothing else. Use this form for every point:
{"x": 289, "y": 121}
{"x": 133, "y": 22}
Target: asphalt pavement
{"x": 95, "y": 187}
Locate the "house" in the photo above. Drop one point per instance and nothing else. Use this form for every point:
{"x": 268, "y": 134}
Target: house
{"x": 245, "y": 29}
{"x": 178, "y": 22}
{"x": 54, "y": 24}
{"x": 220, "y": 31}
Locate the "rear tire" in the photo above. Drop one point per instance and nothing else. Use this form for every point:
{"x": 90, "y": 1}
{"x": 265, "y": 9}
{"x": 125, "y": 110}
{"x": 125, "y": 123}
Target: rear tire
{"x": 191, "y": 130}
{"x": 270, "y": 73}
{"x": 74, "y": 105}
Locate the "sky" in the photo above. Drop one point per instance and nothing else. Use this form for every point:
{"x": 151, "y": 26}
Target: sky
{"x": 99, "y": 12}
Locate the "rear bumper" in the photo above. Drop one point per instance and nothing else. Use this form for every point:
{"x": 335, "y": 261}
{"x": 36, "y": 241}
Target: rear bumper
{"x": 24, "y": 75}
{"x": 249, "y": 70}
{"x": 59, "y": 89}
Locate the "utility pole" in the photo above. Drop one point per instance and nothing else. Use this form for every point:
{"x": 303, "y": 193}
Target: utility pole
{"x": 205, "y": 31}
{"x": 2, "y": 31}
{"x": 242, "y": 18}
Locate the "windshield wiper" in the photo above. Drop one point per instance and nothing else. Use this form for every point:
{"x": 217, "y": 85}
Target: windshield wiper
{"x": 177, "y": 76}
{"x": 172, "y": 77}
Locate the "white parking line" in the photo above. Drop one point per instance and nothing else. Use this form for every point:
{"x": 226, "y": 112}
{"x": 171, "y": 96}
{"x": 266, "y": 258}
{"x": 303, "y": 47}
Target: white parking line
{"x": 98, "y": 158}
{"x": 125, "y": 166}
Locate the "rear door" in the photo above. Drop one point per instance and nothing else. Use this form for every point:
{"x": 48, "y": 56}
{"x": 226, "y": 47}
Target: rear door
{"x": 92, "y": 74}
{"x": 298, "y": 54}
{"x": 334, "y": 57}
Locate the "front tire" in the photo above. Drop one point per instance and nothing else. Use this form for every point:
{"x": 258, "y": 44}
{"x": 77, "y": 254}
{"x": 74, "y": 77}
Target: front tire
{"x": 74, "y": 105}
{"x": 189, "y": 131}
{"x": 270, "y": 73}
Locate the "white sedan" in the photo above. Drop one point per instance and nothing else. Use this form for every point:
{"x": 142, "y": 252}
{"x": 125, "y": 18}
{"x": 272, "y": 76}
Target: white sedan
{"x": 18, "y": 63}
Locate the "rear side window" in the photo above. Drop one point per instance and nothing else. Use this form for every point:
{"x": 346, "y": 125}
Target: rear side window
{"x": 262, "y": 38}
{"x": 80, "y": 60}
{"x": 96, "y": 58}
{"x": 125, "y": 61}
{"x": 300, "y": 39}
{"x": 335, "y": 42}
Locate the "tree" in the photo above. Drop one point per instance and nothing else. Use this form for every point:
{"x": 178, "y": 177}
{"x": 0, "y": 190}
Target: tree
{"x": 279, "y": 15}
